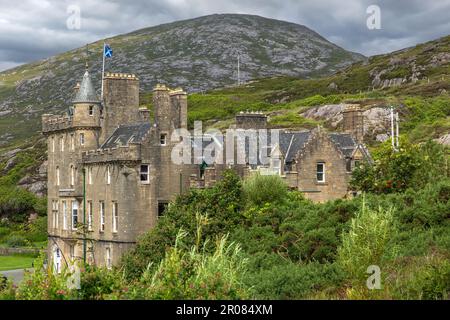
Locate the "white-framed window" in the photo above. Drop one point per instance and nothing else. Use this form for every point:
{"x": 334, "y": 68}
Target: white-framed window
{"x": 320, "y": 172}
{"x": 90, "y": 215}
{"x": 72, "y": 142}
{"x": 58, "y": 181}
{"x": 72, "y": 175}
{"x": 115, "y": 217}
{"x": 81, "y": 139}
{"x": 91, "y": 111}
{"x": 163, "y": 139}
{"x": 74, "y": 215}
{"x": 64, "y": 205}
{"x": 102, "y": 216}
{"x": 61, "y": 143}
{"x": 90, "y": 175}
{"x": 53, "y": 144}
{"x": 108, "y": 258}
{"x": 108, "y": 175}
{"x": 144, "y": 173}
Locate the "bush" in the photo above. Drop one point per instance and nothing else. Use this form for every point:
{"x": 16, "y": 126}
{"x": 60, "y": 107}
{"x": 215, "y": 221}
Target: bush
{"x": 194, "y": 274}
{"x": 366, "y": 242}
{"x": 221, "y": 205}
{"x": 259, "y": 190}
{"x": 294, "y": 281}
{"x": 16, "y": 240}
{"x": 413, "y": 166}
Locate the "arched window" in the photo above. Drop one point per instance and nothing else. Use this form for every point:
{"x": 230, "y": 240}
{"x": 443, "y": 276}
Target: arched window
{"x": 57, "y": 177}
{"x": 108, "y": 175}
{"x": 72, "y": 175}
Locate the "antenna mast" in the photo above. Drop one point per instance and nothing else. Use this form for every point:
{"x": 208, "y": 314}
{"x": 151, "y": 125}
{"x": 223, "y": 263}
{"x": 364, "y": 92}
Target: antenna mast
{"x": 397, "y": 130}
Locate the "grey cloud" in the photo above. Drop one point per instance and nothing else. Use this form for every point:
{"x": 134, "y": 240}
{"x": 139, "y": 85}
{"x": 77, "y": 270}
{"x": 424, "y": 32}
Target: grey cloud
{"x": 35, "y": 29}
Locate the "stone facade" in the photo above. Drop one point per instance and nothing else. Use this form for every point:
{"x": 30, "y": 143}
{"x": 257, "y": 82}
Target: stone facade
{"x": 110, "y": 172}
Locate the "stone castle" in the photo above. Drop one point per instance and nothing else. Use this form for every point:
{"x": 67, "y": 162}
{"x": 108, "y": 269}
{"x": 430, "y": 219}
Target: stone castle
{"x": 110, "y": 174}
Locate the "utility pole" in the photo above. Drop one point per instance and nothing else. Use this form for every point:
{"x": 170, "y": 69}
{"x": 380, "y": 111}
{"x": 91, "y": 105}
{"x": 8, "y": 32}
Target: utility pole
{"x": 397, "y": 133}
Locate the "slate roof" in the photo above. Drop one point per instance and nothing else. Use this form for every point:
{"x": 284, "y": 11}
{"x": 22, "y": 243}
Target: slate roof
{"x": 291, "y": 142}
{"x": 125, "y": 134}
{"x": 86, "y": 93}
{"x": 345, "y": 142}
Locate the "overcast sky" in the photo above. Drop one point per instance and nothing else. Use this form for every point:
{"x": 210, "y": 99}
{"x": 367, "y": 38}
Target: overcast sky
{"x": 36, "y": 29}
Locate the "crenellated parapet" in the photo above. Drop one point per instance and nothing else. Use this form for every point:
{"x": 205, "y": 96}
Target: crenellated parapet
{"x": 52, "y": 123}
{"x": 129, "y": 153}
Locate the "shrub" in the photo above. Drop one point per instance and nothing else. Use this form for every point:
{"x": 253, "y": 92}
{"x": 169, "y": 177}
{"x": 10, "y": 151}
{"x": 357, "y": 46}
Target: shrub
{"x": 259, "y": 190}
{"x": 413, "y": 166}
{"x": 221, "y": 205}
{"x": 294, "y": 281}
{"x": 16, "y": 240}
{"x": 194, "y": 274}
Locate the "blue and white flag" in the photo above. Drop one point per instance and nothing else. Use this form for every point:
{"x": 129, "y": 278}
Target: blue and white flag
{"x": 107, "y": 51}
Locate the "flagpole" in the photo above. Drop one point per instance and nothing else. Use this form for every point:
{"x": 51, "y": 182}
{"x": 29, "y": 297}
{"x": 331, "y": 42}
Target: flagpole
{"x": 103, "y": 69}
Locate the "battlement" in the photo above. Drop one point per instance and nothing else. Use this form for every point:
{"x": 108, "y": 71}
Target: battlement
{"x": 161, "y": 87}
{"x": 123, "y": 76}
{"x": 55, "y": 122}
{"x": 177, "y": 91}
{"x": 132, "y": 152}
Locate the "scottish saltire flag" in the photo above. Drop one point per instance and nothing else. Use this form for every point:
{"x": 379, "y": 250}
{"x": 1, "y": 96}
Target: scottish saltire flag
{"x": 107, "y": 51}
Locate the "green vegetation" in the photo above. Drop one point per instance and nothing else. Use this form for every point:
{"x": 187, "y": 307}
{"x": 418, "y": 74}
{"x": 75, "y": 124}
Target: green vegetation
{"x": 16, "y": 262}
{"x": 256, "y": 239}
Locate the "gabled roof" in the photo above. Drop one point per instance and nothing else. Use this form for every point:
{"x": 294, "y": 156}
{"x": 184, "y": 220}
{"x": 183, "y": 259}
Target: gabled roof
{"x": 126, "y": 134}
{"x": 86, "y": 93}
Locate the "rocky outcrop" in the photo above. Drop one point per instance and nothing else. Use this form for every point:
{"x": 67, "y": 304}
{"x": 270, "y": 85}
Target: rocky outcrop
{"x": 445, "y": 139}
{"x": 376, "y": 119}
{"x": 36, "y": 182}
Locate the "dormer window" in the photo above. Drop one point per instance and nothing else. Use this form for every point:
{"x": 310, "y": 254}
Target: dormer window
{"x": 163, "y": 139}
{"x": 91, "y": 111}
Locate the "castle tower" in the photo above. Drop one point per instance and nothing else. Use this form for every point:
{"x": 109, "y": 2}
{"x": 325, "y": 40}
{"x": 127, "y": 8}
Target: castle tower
{"x": 353, "y": 122}
{"x": 86, "y": 113}
{"x": 121, "y": 102}
{"x": 170, "y": 110}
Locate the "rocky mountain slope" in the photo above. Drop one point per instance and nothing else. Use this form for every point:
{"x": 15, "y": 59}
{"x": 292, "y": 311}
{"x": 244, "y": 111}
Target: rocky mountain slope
{"x": 197, "y": 54}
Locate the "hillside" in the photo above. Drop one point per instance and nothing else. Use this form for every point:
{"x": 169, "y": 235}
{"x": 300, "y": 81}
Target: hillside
{"x": 421, "y": 97}
{"x": 197, "y": 54}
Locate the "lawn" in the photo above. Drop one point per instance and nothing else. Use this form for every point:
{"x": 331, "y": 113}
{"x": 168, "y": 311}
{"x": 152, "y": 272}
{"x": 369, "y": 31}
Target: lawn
{"x": 16, "y": 262}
